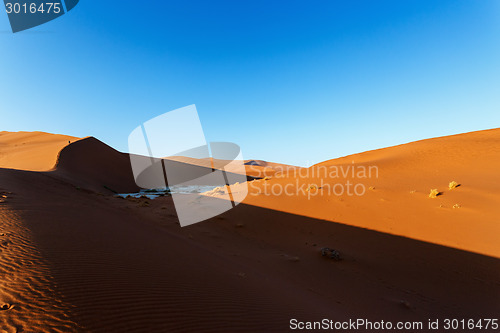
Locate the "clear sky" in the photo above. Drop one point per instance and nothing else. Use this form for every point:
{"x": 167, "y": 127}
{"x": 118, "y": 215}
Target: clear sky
{"x": 290, "y": 81}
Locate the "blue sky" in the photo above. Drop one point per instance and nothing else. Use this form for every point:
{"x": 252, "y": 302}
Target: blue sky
{"x": 290, "y": 81}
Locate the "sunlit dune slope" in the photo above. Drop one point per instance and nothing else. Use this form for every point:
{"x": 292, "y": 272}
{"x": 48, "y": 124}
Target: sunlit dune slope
{"x": 393, "y": 186}
{"x": 34, "y": 151}
{"x": 73, "y": 260}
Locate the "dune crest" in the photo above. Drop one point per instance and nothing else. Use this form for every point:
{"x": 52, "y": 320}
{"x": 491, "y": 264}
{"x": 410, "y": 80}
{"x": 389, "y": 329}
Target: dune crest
{"x": 75, "y": 261}
{"x": 393, "y": 191}
{"x": 253, "y": 168}
{"x": 31, "y": 151}
{"x": 93, "y": 165}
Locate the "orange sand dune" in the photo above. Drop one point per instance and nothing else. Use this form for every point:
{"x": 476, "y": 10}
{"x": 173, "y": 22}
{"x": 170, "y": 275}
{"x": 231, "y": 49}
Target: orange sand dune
{"x": 96, "y": 263}
{"x": 91, "y": 164}
{"x": 253, "y": 168}
{"x": 395, "y": 184}
{"x": 262, "y": 169}
{"x": 74, "y": 260}
{"x": 35, "y": 151}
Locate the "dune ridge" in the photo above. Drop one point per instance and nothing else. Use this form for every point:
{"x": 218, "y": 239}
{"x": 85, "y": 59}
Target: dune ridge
{"x": 80, "y": 261}
{"x": 396, "y": 196}
{"x": 34, "y": 151}
{"x": 252, "y": 168}
{"x": 93, "y": 165}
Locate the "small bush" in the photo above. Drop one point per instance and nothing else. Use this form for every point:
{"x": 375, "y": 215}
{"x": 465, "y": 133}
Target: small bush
{"x": 453, "y": 185}
{"x": 434, "y": 193}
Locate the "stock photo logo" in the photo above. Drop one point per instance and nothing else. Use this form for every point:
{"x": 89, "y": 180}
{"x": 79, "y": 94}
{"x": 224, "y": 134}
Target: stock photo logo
{"x": 27, "y": 14}
{"x": 170, "y": 151}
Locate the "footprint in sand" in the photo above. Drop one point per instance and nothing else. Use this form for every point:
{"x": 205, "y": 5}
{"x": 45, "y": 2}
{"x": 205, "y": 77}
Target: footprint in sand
{"x": 5, "y": 243}
{"x": 6, "y": 307}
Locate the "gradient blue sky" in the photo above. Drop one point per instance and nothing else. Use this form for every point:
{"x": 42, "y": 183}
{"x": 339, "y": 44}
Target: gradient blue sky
{"x": 297, "y": 82}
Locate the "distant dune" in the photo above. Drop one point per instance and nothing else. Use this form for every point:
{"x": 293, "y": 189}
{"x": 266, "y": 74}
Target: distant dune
{"x": 75, "y": 258}
{"x": 34, "y": 151}
{"x": 253, "y": 168}
{"x": 86, "y": 163}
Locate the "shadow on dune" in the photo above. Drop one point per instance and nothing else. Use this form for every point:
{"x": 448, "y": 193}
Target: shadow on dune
{"x": 126, "y": 267}
{"x": 92, "y": 165}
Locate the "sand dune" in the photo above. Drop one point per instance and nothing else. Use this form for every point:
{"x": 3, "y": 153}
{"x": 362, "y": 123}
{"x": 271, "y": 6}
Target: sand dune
{"x": 253, "y": 168}
{"x": 35, "y": 151}
{"x": 91, "y": 164}
{"x": 29, "y": 299}
{"x": 75, "y": 260}
{"x": 121, "y": 265}
{"x": 397, "y": 200}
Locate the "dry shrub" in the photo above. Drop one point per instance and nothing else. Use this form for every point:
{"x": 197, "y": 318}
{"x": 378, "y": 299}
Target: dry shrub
{"x": 434, "y": 193}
